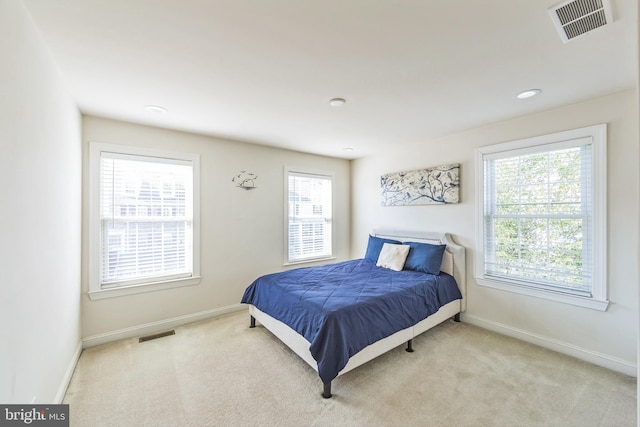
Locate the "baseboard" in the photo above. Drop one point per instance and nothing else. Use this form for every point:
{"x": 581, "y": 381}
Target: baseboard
{"x": 158, "y": 326}
{"x": 594, "y": 357}
{"x": 62, "y": 389}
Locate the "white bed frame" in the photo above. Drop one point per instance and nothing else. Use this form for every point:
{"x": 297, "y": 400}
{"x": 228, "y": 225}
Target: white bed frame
{"x": 453, "y": 262}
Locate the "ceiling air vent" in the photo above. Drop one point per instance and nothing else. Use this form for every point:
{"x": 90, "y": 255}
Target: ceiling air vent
{"x": 577, "y": 17}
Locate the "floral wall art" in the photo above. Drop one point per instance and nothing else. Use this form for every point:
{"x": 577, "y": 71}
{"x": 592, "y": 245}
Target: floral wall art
{"x": 437, "y": 185}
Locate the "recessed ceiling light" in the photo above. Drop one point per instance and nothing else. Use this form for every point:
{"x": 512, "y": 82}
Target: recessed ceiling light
{"x": 337, "y": 102}
{"x": 155, "y": 109}
{"x": 528, "y": 93}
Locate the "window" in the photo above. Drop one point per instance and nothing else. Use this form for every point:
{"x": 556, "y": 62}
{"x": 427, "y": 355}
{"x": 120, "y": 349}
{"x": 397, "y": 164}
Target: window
{"x": 144, "y": 220}
{"x": 308, "y": 215}
{"x": 542, "y": 216}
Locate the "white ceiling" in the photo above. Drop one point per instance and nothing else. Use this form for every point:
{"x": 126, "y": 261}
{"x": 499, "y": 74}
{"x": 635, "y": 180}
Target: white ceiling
{"x": 263, "y": 71}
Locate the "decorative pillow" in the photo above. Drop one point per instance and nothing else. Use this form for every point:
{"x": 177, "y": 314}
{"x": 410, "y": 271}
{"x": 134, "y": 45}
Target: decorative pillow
{"x": 375, "y": 246}
{"x": 393, "y": 256}
{"x": 424, "y": 257}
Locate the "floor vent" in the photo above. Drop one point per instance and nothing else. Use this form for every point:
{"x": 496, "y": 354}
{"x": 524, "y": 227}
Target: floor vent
{"x": 154, "y": 336}
{"x": 577, "y": 17}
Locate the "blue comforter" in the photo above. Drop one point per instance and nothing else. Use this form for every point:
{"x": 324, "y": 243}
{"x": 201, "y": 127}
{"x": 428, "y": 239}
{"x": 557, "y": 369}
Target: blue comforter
{"x": 342, "y": 308}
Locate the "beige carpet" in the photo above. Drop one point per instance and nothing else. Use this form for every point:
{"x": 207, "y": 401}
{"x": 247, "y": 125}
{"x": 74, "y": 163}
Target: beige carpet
{"x": 221, "y": 373}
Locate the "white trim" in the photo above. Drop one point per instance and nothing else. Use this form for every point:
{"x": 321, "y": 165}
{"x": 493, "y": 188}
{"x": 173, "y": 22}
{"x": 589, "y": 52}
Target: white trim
{"x": 535, "y": 145}
{"x": 552, "y": 138}
{"x": 599, "y": 188}
{"x": 310, "y": 260}
{"x": 588, "y": 302}
{"x": 296, "y": 171}
{"x": 95, "y": 288}
{"x": 600, "y": 359}
{"x": 142, "y": 288}
{"x": 597, "y": 134}
{"x": 160, "y": 325}
{"x": 66, "y": 379}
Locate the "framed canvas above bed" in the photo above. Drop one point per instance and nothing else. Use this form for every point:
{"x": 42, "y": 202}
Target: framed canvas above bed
{"x": 437, "y": 185}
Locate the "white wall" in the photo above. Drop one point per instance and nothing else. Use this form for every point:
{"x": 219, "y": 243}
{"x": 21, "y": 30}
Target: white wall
{"x": 242, "y": 232}
{"x": 40, "y": 188}
{"x": 607, "y": 338}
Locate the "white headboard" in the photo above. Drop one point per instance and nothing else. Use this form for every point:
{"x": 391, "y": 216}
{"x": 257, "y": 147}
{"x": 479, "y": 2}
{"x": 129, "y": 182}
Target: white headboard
{"x": 453, "y": 261}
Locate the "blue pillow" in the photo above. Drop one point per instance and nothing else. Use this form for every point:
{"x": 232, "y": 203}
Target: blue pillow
{"x": 375, "y": 246}
{"x": 424, "y": 257}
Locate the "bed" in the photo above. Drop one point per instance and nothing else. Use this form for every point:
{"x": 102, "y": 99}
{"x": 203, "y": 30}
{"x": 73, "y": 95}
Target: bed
{"x": 339, "y": 316}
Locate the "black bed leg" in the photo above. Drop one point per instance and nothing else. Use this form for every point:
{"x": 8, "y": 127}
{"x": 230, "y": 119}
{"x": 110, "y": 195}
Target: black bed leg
{"x": 326, "y": 393}
{"x": 253, "y": 322}
{"x": 456, "y": 318}
{"x": 409, "y": 348}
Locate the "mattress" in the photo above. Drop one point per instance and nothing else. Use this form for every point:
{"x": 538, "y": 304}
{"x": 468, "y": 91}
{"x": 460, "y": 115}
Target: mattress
{"x": 342, "y": 308}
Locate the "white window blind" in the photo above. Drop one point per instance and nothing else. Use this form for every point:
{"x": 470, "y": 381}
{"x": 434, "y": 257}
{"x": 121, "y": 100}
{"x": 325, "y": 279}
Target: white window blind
{"x": 309, "y": 216}
{"x": 538, "y": 217}
{"x": 542, "y": 217}
{"x": 146, "y": 219}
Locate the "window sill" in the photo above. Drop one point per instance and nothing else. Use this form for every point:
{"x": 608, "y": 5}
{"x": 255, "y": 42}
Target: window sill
{"x": 588, "y": 302}
{"x": 145, "y": 287}
{"x": 309, "y": 260}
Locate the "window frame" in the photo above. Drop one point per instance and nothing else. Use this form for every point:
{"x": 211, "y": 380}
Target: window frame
{"x": 598, "y": 140}
{"x": 96, "y": 290}
{"x": 288, "y": 170}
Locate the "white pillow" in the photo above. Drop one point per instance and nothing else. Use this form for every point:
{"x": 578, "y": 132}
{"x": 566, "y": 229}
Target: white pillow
{"x": 393, "y": 256}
